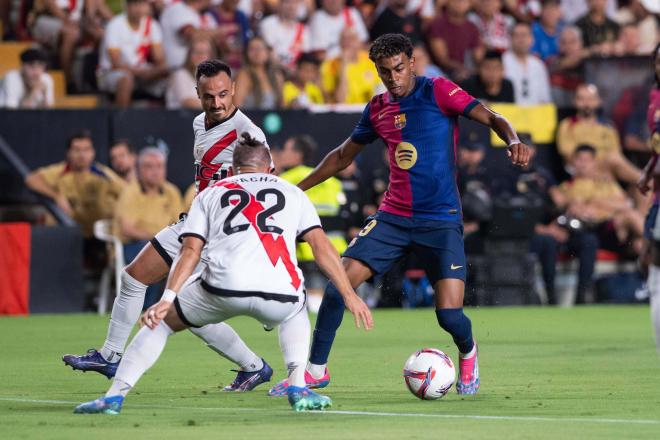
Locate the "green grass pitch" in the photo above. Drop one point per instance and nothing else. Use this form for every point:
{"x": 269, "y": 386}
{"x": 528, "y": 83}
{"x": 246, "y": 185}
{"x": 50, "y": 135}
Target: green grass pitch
{"x": 546, "y": 373}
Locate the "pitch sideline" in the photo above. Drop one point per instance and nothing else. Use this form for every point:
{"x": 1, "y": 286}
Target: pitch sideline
{"x": 373, "y": 413}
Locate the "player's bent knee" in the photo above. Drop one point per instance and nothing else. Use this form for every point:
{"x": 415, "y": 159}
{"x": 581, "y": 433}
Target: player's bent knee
{"x": 148, "y": 267}
{"x": 173, "y": 320}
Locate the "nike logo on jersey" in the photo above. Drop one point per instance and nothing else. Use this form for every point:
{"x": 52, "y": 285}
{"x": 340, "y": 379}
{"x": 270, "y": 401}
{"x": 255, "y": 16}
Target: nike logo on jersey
{"x": 454, "y": 267}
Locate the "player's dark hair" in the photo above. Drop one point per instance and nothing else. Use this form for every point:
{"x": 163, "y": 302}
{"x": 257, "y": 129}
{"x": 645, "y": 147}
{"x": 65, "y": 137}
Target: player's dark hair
{"x": 491, "y": 55}
{"x": 124, "y": 142}
{"x": 211, "y": 68}
{"x": 82, "y": 134}
{"x": 389, "y": 45}
{"x": 308, "y": 57}
{"x": 249, "y": 152}
{"x": 585, "y": 148}
{"x": 306, "y": 145}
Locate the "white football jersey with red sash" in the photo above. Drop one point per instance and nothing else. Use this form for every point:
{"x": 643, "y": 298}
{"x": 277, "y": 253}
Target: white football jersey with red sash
{"x": 214, "y": 147}
{"x": 250, "y": 224}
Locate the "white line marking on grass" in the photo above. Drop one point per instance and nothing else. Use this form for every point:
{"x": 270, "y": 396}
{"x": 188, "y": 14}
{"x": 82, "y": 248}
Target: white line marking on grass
{"x": 370, "y": 413}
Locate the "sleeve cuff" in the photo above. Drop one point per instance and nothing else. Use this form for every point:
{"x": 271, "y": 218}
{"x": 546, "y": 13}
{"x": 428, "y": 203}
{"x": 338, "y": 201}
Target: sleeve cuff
{"x": 468, "y": 108}
{"x": 299, "y": 238}
{"x": 191, "y": 234}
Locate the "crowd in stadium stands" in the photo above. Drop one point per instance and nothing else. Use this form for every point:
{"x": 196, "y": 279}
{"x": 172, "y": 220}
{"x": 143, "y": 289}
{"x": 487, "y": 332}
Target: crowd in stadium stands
{"x": 300, "y": 53}
{"x": 285, "y": 52}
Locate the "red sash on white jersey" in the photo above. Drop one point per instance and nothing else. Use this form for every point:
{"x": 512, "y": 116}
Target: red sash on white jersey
{"x": 145, "y": 45}
{"x": 206, "y": 171}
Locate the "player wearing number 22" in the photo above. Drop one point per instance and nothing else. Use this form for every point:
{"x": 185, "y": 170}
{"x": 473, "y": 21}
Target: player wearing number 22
{"x": 417, "y": 119}
{"x": 249, "y": 224}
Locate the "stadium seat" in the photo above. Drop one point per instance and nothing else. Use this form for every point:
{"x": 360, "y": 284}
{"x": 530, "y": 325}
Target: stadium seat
{"x": 62, "y": 100}
{"x": 10, "y": 53}
{"x": 103, "y": 231}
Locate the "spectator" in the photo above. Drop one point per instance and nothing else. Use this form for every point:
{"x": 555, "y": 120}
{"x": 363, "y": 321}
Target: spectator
{"x": 586, "y": 127}
{"x": 572, "y": 10}
{"x": 234, "y": 26}
{"x": 131, "y": 56}
{"x": 524, "y": 11}
{"x": 85, "y": 190}
{"x": 122, "y": 160}
{"x": 326, "y": 26}
{"x": 531, "y": 84}
{"x": 57, "y": 26}
{"x": 599, "y": 33}
{"x": 629, "y": 43}
{"x": 327, "y": 197}
{"x": 566, "y": 69}
{"x": 489, "y": 83}
{"x": 181, "y": 86}
{"x": 454, "y": 41}
{"x": 546, "y": 30}
{"x": 602, "y": 210}
{"x": 182, "y": 22}
{"x": 494, "y": 27}
{"x": 96, "y": 17}
{"x": 423, "y": 65}
{"x": 30, "y": 86}
{"x": 643, "y": 14}
{"x": 259, "y": 82}
{"x": 285, "y": 34}
{"x": 351, "y": 78}
{"x": 302, "y": 90}
{"x": 396, "y": 18}
{"x": 146, "y": 208}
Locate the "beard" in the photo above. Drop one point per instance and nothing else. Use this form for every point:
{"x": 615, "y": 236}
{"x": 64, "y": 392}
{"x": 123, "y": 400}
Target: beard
{"x": 587, "y": 112}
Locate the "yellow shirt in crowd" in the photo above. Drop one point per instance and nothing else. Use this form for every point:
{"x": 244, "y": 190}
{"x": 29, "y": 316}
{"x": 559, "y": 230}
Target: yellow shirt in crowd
{"x": 588, "y": 190}
{"x": 572, "y": 133}
{"x": 363, "y": 78}
{"x": 148, "y": 212}
{"x": 92, "y": 193}
{"x": 310, "y": 94}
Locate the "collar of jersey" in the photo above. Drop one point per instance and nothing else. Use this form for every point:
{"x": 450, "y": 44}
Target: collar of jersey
{"x": 418, "y": 84}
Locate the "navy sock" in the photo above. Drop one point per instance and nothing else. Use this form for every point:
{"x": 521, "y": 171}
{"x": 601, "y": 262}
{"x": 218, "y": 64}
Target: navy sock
{"x": 459, "y": 326}
{"x": 328, "y": 321}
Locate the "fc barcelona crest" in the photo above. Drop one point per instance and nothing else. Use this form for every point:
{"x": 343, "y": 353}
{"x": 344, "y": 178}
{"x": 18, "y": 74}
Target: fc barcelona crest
{"x": 400, "y": 121}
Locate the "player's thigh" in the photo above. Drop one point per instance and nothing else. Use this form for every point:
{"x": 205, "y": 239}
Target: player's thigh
{"x": 173, "y": 320}
{"x": 268, "y": 312}
{"x": 148, "y": 267}
{"x": 442, "y": 254}
{"x": 196, "y": 307}
{"x": 374, "y": 251}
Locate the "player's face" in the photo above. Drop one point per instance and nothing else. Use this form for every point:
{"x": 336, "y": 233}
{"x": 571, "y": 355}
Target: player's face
{"x": 216, "y": 94}
{"x": 397, "y": 74}
{"x": 81, "y": 154}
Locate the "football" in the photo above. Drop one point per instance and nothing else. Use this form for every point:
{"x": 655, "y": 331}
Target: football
{"x": 429, "y": 373}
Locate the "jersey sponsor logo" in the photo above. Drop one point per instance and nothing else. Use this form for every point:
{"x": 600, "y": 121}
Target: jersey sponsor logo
{"x": 405, "y": 155}
{"x": 453, "y": 92}
{"x": 400, "y": 120}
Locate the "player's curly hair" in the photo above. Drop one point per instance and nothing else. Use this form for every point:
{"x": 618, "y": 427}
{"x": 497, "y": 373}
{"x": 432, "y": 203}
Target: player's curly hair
{"x": 250, "y": 152}
{"x": 389, "y": 45}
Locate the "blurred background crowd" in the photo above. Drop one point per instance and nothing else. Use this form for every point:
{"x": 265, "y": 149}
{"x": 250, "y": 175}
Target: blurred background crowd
{"x": 567, "y": 229}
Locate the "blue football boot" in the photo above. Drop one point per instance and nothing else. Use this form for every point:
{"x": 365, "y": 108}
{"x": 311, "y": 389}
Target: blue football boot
{"x": 92, "y": 361}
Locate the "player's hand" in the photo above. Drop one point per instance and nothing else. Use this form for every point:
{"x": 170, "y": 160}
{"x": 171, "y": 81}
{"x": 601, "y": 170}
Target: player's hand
{"x": 360, "y": 311}
{"x": 156, "y": 313}
{"x": 519, "y": 154}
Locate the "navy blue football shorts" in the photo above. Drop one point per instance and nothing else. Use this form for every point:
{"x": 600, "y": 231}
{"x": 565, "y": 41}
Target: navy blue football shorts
{"x": 649, "y": 223}
{"x": 386, "y": 238}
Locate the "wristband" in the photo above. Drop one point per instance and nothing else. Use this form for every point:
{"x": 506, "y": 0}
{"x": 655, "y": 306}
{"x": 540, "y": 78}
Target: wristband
{"x": 168, "y": 295}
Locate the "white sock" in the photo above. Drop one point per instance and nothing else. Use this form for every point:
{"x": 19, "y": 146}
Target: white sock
{"x": 654, "y": 289}
{"x": 294, "y": 343}
{"x": 141, "y": 354}
{"x": 317, "y": 371}
{"x": 125, "y": 313}
{"x": 222, "y": 339}
{"x": 470, "y": 354}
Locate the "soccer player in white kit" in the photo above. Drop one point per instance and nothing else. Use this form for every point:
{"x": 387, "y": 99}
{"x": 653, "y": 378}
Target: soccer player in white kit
{"x": 249, "y": 223}
{"x": 216, "y": 134}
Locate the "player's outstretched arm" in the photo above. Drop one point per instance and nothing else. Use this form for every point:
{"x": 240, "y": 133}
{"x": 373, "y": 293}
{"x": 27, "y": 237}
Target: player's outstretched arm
{"x": 334, "y": 162}
{"x": 517, "y": 151}
{"x": 183, "y": 267}
{"x": 327, "y": 258}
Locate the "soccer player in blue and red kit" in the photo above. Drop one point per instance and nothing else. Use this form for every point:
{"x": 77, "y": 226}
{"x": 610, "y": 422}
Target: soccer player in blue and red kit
{"x": 417, "y": 118}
